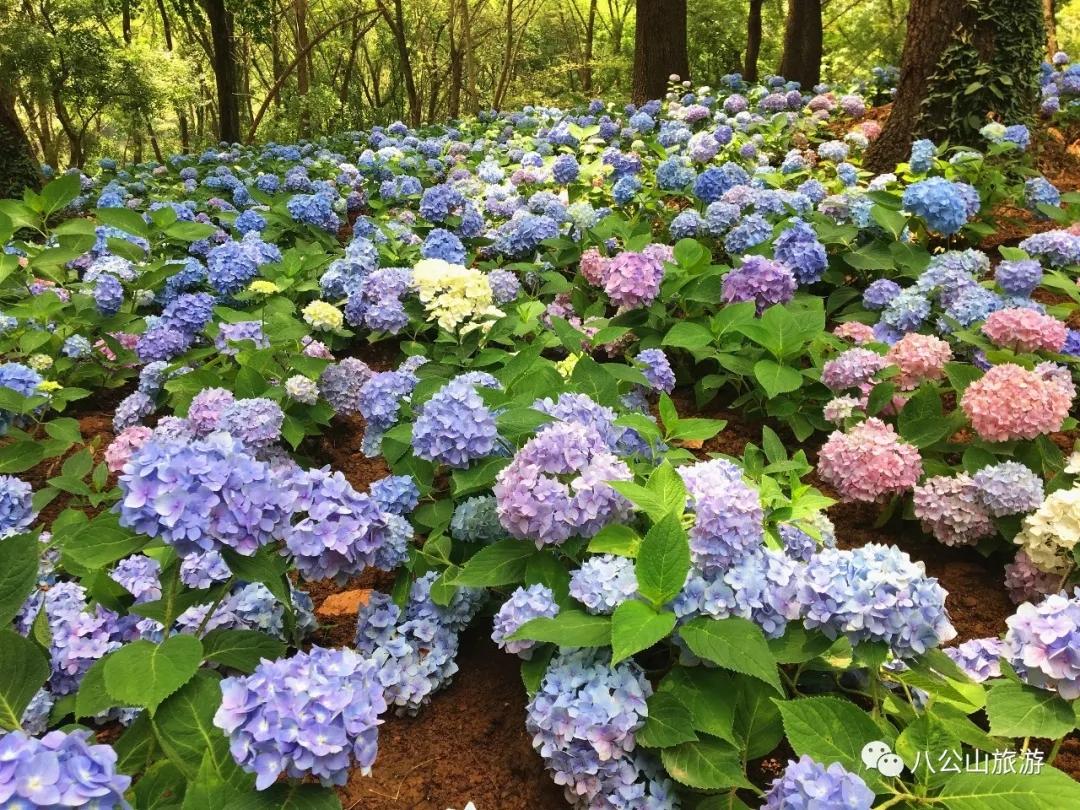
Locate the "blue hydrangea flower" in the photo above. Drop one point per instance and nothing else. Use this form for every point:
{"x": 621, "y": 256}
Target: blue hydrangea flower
{"x": 603, "y": 583}
{"x": 1018, "y": 277}
{"x": 945, "y": 206}
{"x": 476, "y": 520}
{"x": 455, "y": 427}
{"x": 807, "y": 784}
{"x": 396, "y": 494}
{"x": 524, "y": 605}
{"x": 1009, "y": 488}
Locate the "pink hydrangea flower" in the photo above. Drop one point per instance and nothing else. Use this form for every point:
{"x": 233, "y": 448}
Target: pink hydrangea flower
{"x": 871, "y": 129}
{"x": 633, "y": 279}
{"x": 1010, "y": 402}
{"x": 124, "y": 446}
{"x": 859, "y": 333}
{"x": 1026, "y": 582}
{"x": 1025, "y": 330}
{"x": 950, "y": 509}
{"x": 592, "y": 266}
{"x": 869, "y": 463}
{"x": 919, "y": 358}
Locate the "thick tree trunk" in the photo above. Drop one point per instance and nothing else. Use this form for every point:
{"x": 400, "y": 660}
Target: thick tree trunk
{"x": 803, "y": 42}
{"x": 221, "y": 31}
{"x": 659, "y": 47}
{"x": 753, "y": 41}
{"x": 931, "y": 27}
{"x": 18, "y": 166}
{"x": 1050, "y": 13}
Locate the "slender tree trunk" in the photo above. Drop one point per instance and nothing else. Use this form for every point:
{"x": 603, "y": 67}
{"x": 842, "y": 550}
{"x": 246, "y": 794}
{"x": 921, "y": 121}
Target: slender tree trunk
{"x": 221, "y": 31}
{"x": 303, "y": 76}
{"x": 396, "y": 21}
{"x": 125, "y": 21}
{"x": 590, "y": 39}
{"x": 18, "y": 166}
{"x": 181, "y": 115}
{"x": 1050, "y": 12}
{"x": 931, "y": 26}
{"x": 803, "y": 43}
{"x": 470, "y": 58}
{"x": 753, "y": 41}
{"x": 659, "y": 47}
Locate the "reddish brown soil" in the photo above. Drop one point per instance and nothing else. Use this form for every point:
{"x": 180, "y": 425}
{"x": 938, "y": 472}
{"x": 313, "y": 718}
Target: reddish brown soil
{"x": 468, "y": 744}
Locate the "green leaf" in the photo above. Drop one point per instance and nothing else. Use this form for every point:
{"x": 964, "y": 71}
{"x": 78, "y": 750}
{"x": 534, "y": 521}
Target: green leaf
{"x": 694, "y": 429}
{"x": 961, "y": 375}
{"x": 161, "y": 787}
{"x": 709, "y": 694}
{"x": 733, "y": 643}
{"x": 615, "y": 538}
{"x": 144, "y": 673}
{"x": 18, "y": 573}
{"x": 591, "y": 379}
{"x": 571, "y": 628}
{"x": 265, "y": 566}
{"x": 1050, "y": 790}
{"x": 93, "y": 698}
{"x": 923, "y": 739}
{"x": 687, "y": 335}
{"x": 892, "y": 221}
{"x": 289, "y": 797}
{"x": 664, "y": 559}
{"x": 184, "y": 725}
{"x": 832, "y": 730}
{"x": 501, "y": 563}
{"x": 798, "y": 644}
{"x": 534, "y": 669}
{"x": 520, "y": 422}
{"x": 921, "y": 422}
{"x": 477, "y": 477}
{"x": 241, "y": 649}
{"x": 668, "y": 487}
{"x": 757, "y": 718}
{"x": 646, "y": 500}
{"x": 20, "y": 456}
{"x": 123, "y": 219}
{"x": 669, "y": 722}
{"x": 64, "y": 429}
{"x": 23, "y": 672}
{"x": 103, "y": 541}
{"x": 549, "y": 571}
{"x": 635, "y": 627}
{"x": 1019, "y": 710}
{"x": 706, "y": 764}
{"x": 775, "y": 378}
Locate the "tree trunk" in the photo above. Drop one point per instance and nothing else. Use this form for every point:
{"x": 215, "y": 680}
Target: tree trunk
{"x": 221, "y": 31}
{"x": 125, "y": 21}
{"x": 1050, "y": 12}
{"x": 18, "y": 166}
{"x": 931, "y": 27}
{"x": 396, "y": 21}
{"x": 753, "y": 42}
{"x": 303, "y": 76}
{"x": 590, "y": 38}
{"x": 803, "y": 37}
{"x": 470, "y": 58}
{"x": 453, "y": 96}
{"x": 659, "y": 47}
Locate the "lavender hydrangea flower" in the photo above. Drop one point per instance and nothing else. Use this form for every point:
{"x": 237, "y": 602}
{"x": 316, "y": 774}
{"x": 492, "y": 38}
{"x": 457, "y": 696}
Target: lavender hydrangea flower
{"x": 341, "y": 383}
{"x": 16, "y": 506}
{"x": 1043, "y": 644}
{"x": 455, "y": 427}
{"x": 657, "y": 369}
{"x": 396, "y": 494}
{"x": 256, "y": 422}
{"x": 761, "y": 280}
{"x": 138, "y": 575}
{"x": 603, "y": 583}
{"x": 980, "y": 658}
{"x": 808, "y": 784}
{"x": 312, "y": 714}
{"x": 556, "y": 486}
{"x": 1018, "y": 277}
{"x": 1009, "y": 488}
{"x": 852, "y": 368}
{"x": 727, "y": 514}
{"x": 132, "y": 410}
{"x": 61, "y": 769}
{"x": 203, "y": 570}
{"x": 524, "y": 605}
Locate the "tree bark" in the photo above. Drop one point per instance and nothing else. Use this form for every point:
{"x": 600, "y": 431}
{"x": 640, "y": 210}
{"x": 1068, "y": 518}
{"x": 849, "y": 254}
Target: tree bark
{"x": 396, "y": 21}
{"x": 590, "y": 39}
{"x": 303, "y": 75}
{"x": 659, "y": 47}
{"x": 221, "y": 32}
{"x": 18, "y": 166}
{"x": 1050, "y": 12}
{"x": 931, "y": 26}
{"x": 470, "y": 58}
{"x": 753, "y": 41}
{"x": 803, "y": 43}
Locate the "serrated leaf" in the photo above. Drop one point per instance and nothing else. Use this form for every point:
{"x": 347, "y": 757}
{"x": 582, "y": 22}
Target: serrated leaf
{"x": 687, "y": 335}
{"x": 241, "y": 649}
{"x": 19, "y": 556}
{"x": 1019, "y": 710}
{"x": 777, "y": 379}
{"x": 709, "y": 694}
{"x": 669, "y": 722}
{"x": 501, "y": 563}
{"x": 733, "y": 643}
{"x": 93, "y": 698}
{"x": 184, "y": 725}
{"x": 706, "y": 764}
{"x": 103, "y": 541}
{"x": 144, "y": 673}
{"x": 571, "y": 628}
{"x": 615, "y": 538}
{"x": 635, "y": 627}
{"x": 1050, "y": 790}
{"x": 19, "y": 457}
{"x": 289, "y": 797}
{"x": 23, "y": 672}
{"x": 265, "y": 566}
{"x": 798, "y": 644}
{"x": 664, "y": 559}
{"x": 757, "y": 719}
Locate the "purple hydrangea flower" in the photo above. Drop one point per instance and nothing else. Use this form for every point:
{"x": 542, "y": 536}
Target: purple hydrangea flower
{"x": 808, "y": 784}
{"x": 1043, "y": 644}
{"x": 632, "y": 279}
{"x": 524, "y": 605}
{"x": 727, "y": 514}
{"x": 761, "y": 280}
{"x": 455, "y": 427}
{"x": 59, "y": 770}
{"x": 980, "y": 658}
{"x": 603, "y": 583}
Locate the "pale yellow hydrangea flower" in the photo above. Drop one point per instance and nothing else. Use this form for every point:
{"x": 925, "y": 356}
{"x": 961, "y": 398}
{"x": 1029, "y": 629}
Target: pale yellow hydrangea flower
{"x": 1049, "y": 534}
{"x": 48, "y": 386}
{"x": 454, "y": 295}
{"x": 566, "y": 367}
{"x": 263, "y": 287}
{"x": 39, "y": 362}
{"x": 323, "y": 316}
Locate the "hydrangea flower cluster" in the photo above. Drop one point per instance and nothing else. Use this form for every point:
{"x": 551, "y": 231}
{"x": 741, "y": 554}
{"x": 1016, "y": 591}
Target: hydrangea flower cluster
{"x": 16, "y": 506}
{"x": 919, "y": 358}
{"x": 808, "y": 784}
{"x": 657, "y": 369}
{"x": 852, "y": 369}
{"x": 310, "y": 714}
{"x": 980, "y": 658}
{"x": 1009, "y": 488}
{"x": 455, "y": 427}
{"x": 603, "y": 583}
{"x": 476, "y": 520}
{"x": 1049, "y": 534}
{"x": 1010, "y": 402}
{"x": 945, "y": 206}
{"x": 869, "y": 462}
{"x": 455, "y": 296}
{"x": 1025, "y": 330}
{"x": 59, "y": 770}
{"x": 556, "y": 486}
{"x": 874, "y": 593}
{"x": 524, "y": 605}
{"x": 1028, "y": 583}
{"x": 951, "y": 509}
{"x": 583, "y": 718}
{"x": 632, "y": 279}
{"x": 1043, "y": 644}
{"x": 761, "y": 280}
{"x": 727, "y": 514}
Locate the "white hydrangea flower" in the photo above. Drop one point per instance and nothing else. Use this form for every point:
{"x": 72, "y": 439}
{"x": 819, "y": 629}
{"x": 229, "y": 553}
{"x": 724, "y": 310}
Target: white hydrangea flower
{"x": 1051, "y": 532}
{"x": 454, "y": 295}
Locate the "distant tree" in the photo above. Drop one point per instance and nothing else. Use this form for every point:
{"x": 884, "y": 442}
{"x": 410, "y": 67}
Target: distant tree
{"x": 803, "y": 43}
{"x": 18, "y": 167}
{"x": 753, "y": 41}
{"x": 225, "y": 72}
{"x": 659, "y": 47}
{"x": 962, "y": 66}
